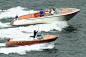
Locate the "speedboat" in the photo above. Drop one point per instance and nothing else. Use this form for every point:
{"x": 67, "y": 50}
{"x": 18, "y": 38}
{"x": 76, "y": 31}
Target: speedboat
{"x": 62, "y": 14}
{"x": 30, "y": 40}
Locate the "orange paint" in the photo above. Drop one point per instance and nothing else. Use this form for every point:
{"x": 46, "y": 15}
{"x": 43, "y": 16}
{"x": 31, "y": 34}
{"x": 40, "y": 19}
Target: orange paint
{"x": 65, "y": 10}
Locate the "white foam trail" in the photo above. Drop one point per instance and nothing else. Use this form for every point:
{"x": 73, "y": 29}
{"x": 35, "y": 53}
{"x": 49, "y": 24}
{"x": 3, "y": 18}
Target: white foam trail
{"x": 18, "y": 32}
{"x": 2, "y": 44}
{"x": 4, "y": 25}
{"x": 12, "y": 12}
{"x": 22, "y": 49}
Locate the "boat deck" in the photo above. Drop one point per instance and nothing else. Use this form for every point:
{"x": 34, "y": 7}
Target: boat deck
{"x": 36, "y": 15}
{"x": 67, "y": 10}
{"x": 31, "y": 38}
{"x": 46, "y": 39}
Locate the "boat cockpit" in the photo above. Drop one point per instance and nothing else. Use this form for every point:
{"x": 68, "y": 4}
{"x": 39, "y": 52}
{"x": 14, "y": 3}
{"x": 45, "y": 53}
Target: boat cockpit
{"x": 48, "y": 11}
{"x": 37, "y": 15}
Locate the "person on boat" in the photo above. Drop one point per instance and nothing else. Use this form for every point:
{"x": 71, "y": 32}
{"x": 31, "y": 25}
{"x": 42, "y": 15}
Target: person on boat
{"x": 16, "y": 17}
{"x": 8, "y": 39}
{"x": 41, "y": 13}
{"x": 52, "y": 12}
{"x": 35, "y": 33}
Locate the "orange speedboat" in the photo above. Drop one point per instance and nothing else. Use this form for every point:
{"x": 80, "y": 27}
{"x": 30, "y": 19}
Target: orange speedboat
{"x": 30, "y": 40}
{"x": 34, "y": 18}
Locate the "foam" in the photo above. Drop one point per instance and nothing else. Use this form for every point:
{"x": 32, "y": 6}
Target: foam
{"x": 23, "y": 49}
{"x": 3, "y": 25}
{"x": 18, "y": 32}
{"x": 2, "y": 44}
{"x": 12, "y": 12}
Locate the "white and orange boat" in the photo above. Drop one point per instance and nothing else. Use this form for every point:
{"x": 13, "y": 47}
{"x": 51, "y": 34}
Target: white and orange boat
{"x": 34, "y": 18}
{"x": 30, "y": 40}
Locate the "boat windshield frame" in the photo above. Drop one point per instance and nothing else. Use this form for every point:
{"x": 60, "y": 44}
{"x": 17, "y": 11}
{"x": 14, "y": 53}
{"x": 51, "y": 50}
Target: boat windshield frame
{"x": 57, "y": 11}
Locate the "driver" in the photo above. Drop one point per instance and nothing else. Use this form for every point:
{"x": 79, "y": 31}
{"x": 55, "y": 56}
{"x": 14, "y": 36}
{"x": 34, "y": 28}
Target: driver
{"x": 35, "y": 33}
{"x": 52, "y": 12}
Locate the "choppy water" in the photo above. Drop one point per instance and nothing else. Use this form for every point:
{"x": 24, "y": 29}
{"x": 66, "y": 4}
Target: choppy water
{"x": 72, "y": 38}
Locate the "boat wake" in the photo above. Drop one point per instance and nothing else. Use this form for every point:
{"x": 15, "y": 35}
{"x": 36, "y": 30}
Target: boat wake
{"x": 2, "y": 44}
{"x": 28, "y": 30}
{"x": 3, "y": 25}
{"x": 12, "y": 12}
{"x": 22, "y": 31}
{"x": 23, "y": 49}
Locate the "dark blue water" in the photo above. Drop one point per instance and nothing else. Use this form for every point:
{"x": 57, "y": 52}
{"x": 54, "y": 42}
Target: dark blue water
{"x": 72, "y": 38}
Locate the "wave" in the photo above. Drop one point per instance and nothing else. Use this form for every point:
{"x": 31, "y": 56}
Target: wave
{"x": 2, "y": 25}
{"x": 25, "y": 31}
{"x": 2, "y": 44}
{"x": 28, "y": 30}
{"x": 12, "y": 12}
{"x": 23, "y": 49}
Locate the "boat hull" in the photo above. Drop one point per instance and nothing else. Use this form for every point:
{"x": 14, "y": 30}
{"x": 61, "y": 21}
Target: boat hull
{"x": 46, "y": 19}
{"x": 13, "y": 43}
